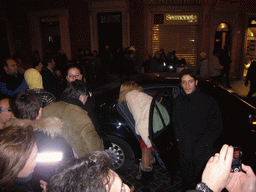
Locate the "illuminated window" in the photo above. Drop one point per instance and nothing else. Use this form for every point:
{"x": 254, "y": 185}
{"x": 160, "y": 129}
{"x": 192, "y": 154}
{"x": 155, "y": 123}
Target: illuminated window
{"x": 222, "y": 27}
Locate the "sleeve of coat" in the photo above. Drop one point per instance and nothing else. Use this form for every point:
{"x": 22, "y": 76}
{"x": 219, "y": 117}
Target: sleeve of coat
{"x": 91, "y": 138}
{"x": 214, "y": 123}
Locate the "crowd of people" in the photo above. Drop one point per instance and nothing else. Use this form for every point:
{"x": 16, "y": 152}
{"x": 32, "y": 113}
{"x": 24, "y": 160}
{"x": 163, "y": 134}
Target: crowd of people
{"x": 51, "y": 140}
{"x": 217, "y": 67}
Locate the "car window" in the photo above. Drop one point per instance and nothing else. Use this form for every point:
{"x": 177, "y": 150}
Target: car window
{"x": 162, "y": 108}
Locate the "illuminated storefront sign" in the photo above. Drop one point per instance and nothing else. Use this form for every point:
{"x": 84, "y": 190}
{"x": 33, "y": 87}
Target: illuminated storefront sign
{"x": 172, "y": 2}
{"x": 180, "y": 19}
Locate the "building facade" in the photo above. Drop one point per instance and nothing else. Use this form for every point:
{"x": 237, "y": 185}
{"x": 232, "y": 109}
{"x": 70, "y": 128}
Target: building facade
{"x": 188, "y": 27}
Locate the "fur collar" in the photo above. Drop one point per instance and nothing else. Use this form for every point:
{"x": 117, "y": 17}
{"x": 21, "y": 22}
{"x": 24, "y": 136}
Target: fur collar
{"x": 51, "y": 125}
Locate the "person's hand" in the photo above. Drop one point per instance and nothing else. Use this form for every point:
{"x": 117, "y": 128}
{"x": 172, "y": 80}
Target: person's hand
{"x": 43, "y": 185}
{"x": 242, "y": 182}
{"x": 132, "y": 189}
{"x": 245, "y": 83}
{"x": 217, "y": 170}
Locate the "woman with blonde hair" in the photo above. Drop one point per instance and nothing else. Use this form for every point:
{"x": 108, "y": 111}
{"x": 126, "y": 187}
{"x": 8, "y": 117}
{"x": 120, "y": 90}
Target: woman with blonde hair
{"x": 139, "y": 103}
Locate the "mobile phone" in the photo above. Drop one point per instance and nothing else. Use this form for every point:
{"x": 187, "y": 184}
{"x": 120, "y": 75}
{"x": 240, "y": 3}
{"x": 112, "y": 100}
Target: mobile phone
{"x": 236, "y": 163}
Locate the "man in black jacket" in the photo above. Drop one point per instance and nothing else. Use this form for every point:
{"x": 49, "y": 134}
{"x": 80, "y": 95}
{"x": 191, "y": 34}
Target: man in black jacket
{"x": 197, "y": 123}
{"x": 51, "y": 82}
{"x": 11, "y": 81}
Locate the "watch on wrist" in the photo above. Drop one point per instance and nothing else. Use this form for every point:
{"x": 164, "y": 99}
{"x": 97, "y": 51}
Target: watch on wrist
{"x": 203, "y": 187}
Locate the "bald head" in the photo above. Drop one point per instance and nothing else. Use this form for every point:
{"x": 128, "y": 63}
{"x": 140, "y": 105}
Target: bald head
{"x": 5, "y": 112}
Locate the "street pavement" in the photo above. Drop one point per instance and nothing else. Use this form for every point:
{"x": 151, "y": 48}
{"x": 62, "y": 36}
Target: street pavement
{"x": 162, "y": 181}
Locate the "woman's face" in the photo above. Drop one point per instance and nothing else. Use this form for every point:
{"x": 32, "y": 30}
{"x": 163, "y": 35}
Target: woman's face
{"x": 30, "y": 164}
{"x": 74, "y": 74}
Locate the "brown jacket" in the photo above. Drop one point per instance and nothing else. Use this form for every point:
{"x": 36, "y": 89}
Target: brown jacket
{"x": 77, "y": 128}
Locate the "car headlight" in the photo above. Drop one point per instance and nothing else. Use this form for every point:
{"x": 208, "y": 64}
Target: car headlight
{"x": 49, "y": 157}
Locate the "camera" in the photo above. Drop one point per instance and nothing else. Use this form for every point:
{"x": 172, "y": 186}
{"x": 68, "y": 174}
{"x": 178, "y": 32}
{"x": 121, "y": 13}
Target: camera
{"x": 236, "y": 163}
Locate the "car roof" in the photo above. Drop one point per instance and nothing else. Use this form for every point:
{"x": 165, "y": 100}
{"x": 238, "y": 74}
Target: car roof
{"x": 145, "y": 79}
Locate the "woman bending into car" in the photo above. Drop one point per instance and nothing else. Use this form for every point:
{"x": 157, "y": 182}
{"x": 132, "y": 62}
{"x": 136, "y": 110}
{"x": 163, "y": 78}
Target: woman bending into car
{"x": 139, "y": 103}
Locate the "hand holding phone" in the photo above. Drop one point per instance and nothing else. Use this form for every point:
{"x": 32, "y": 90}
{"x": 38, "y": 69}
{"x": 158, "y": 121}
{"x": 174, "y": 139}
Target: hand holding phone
{"x": 236, "y": 163}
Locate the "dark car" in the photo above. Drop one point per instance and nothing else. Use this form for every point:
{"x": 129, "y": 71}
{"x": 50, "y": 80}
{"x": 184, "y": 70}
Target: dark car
{"x": 117, "y": 123}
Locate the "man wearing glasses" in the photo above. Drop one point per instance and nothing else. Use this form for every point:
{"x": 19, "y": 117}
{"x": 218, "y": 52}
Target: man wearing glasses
{"x": 5, "y": 112}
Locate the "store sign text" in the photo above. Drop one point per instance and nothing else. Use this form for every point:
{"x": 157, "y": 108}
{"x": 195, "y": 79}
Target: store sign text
{"x": 172, "y": 2}
{"x": 189, "y": 18}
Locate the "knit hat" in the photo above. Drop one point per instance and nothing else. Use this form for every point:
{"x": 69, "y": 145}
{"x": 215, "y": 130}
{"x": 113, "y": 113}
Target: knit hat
{"x": 203, "y": 55}
{"x": 33, "y": 79}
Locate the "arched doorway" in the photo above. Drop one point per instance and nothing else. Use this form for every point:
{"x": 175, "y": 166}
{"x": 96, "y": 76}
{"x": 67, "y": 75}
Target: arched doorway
{"x": 222, "y": 37}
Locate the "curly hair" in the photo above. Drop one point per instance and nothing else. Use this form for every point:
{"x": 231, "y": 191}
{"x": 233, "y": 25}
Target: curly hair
{"x": 86, "y": 174}
{"x": 127, "y": 87}
{"x": 189, "y": 72}
{"x": 16, "y": 145}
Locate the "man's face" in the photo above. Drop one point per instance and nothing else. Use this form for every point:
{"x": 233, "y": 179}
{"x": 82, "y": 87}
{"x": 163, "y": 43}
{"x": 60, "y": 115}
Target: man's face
{"x": 5, "y": 115}
{"x": 188, "y": 84}
{"x": 52, "y": 64}
{"x": 12, "y": 67}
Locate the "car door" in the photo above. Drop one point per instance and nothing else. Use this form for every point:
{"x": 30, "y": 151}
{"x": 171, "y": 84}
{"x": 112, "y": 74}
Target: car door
{"x": 161, "y": 131}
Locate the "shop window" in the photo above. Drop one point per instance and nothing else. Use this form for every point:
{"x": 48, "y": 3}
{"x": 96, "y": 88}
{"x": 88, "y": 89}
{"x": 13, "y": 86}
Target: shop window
{"x": 51, "y": 34}
{"x": 250, "y": 51}
{"x": 179, "y": 38}
{"x": 222, "y": 37}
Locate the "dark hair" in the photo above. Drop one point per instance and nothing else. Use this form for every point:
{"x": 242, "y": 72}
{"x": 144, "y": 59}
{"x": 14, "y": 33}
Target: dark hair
{"x": 47, "y": 59}
{"x": 86, "y": 174}
{"x": 16, "y": 145}
{"x": 130, "y": 52}
{"x": 25, "y": 104}
{"x": 188, "y": 72}
{"x": 4, "y": 61}
{"x": 216, "y": 51}
{"x": 75, "y": 89}
{"x": 74, "y": 66}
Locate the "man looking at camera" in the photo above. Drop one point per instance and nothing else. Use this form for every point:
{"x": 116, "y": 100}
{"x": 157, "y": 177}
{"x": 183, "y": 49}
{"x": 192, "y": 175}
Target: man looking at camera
{"x": 197, "y": 124}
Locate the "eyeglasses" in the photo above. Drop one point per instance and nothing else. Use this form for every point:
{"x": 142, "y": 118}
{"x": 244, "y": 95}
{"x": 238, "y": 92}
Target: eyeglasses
{"x": 6, "y": 110}
{"x": 74, "y": 76}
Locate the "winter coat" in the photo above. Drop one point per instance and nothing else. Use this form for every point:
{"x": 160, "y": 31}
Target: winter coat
{"x": 139, "y": 105}
{"x": 204, "y": 67}
{"x": 11, "y": 84}
{"x": 215, "y": 67}
{"x": 196, "y": 119}
{"x": 78, "y": 128}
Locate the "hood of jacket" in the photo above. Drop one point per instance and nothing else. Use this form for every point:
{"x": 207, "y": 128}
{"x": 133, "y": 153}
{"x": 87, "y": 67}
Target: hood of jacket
{"x": 51, "y": 126}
